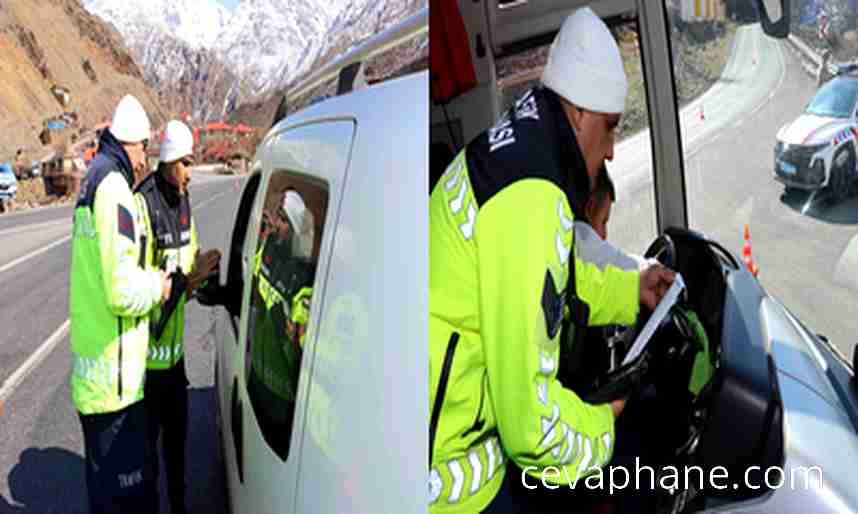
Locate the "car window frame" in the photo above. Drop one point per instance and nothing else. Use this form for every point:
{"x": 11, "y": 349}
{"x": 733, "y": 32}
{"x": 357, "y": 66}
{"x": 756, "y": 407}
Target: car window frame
{"x": 267, "y": 166}
{"x": 236, "y": 270}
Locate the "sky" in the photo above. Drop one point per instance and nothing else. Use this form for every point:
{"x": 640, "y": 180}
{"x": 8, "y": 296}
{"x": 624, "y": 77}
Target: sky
{"x": 229, "y": 4}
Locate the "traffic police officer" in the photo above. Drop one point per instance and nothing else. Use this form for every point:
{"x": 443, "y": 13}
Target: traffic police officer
{"x": 110, "y": 297}
{"x": 283, "y": 277}
{"x": 171, "y": 244}
{"x": 501, "y": 256}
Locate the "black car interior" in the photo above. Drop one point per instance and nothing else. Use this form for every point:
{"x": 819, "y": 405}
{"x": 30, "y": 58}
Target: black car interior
{"x": 736, "y": 419}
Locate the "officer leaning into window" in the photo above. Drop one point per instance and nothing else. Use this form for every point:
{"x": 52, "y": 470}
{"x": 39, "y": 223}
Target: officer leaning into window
{"x": 171, "y": 245}
{"x": 501, "y": 257}
{"x": 110, "y": 296}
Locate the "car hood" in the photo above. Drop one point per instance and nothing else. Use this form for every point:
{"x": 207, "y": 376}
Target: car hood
{"x": 810, "y": 129}
{"x": 794, "y": 352}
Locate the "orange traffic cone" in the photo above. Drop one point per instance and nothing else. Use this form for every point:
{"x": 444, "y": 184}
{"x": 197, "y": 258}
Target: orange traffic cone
{"x": 746, "y": 253}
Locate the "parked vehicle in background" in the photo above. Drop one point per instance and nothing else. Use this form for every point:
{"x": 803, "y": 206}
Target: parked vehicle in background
{"x": 63, "y": 173}
{"x": 8, "y": 185}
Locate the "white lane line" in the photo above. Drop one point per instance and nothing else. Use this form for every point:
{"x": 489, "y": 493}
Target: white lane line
{"x": 34, "y": 226}
{"x": 213, "y": 198}
{"x": 32, "y": 254}
{"x": 45, "y": 349}
{"x": 34, "y": 360}
{"x": 44, "y": 249}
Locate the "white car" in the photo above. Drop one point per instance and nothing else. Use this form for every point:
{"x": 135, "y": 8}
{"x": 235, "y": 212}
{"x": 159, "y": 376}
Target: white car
{"x": 8, "y": 185}
{"x": 321, "y": 333}
{"x": 818, "y": 149}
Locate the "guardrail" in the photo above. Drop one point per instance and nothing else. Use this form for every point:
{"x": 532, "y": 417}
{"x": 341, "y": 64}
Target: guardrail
{"x": 805, "y": 49}
{"x": 414, "y": 26}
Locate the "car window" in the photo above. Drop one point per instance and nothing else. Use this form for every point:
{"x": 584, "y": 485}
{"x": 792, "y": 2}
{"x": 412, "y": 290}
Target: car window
{"x": 281, "y": 298}
{"x": 771, "y": 184}
{"x": 835, "y": 99}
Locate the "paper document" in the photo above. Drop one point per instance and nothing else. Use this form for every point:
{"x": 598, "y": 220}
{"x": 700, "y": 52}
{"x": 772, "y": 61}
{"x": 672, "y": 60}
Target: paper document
{"x": 657, "y": 318}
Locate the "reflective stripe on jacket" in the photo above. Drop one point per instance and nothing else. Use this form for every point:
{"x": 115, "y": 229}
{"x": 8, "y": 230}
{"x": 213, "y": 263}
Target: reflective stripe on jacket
{"x": 172, "y": 241}
{"x": 110, "y": 294}
{"x": 500, "y": 240}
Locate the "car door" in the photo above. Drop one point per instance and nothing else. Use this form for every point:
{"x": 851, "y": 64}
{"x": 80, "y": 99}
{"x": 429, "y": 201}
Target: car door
{"x": 287, "y": 252}
{"x": 227, "y": 326}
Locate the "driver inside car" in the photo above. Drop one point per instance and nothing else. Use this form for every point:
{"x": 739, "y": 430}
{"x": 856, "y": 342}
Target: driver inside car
{"x": 591, "y": 232}
{"x": 591, "y": 243}
{"x": 502, "y": 267}
{"x": 283, "y": 271}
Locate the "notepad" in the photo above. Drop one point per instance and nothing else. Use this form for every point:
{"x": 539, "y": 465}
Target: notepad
{"x": 659, "y": 316}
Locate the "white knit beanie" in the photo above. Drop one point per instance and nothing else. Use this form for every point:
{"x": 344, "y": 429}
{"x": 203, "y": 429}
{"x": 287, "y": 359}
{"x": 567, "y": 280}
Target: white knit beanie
{"x": 302, "y": 222}
{"x": 584, "y": 65}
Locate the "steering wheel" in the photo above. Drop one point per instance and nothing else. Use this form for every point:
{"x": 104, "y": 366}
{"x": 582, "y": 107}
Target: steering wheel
{"x": 620, "y": 382}
{"x": 663, "y": 250}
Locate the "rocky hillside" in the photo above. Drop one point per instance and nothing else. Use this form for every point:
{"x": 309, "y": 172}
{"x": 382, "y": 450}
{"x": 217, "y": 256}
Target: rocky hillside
{"x": 47, "y": 43}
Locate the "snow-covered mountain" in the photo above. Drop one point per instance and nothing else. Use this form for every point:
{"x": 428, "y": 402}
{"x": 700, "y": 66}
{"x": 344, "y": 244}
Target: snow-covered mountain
{"x": 255, "y": 49}
{"x": 196, "y": 22}
{"x": 268, "y": 41}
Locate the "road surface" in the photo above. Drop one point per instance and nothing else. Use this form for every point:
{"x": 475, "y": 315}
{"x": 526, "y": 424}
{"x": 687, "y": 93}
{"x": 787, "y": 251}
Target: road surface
{"x": 41, "y": 451}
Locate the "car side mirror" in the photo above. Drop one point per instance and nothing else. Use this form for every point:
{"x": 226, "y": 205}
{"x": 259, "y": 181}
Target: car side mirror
{"x": 780, "y": 28}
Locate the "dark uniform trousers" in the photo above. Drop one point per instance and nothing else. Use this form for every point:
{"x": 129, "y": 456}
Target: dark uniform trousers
{"x": 118, "y": 461}
{"x": 166, "y": 398}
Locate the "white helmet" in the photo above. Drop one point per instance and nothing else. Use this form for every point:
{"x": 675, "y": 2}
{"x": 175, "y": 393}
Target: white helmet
{"x": 130, "y": 123}
{"x": 178, "y": 142}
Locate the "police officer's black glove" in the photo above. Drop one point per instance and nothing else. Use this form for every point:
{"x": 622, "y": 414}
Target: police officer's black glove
{"x": 211, "y": 293}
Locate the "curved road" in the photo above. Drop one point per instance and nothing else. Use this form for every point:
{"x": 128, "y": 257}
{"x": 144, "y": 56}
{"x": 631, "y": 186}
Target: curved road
{"x": 807, "y": 261}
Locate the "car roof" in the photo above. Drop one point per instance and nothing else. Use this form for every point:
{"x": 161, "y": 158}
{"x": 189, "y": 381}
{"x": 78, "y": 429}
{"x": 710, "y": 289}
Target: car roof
{"x": 371, "y": 106}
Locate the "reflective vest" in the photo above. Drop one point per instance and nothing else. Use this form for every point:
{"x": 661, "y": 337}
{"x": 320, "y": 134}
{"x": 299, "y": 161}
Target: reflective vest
{"x": 110, "y": 291}
{"x": 171, "y": 243}
{"x": 500, "y": 252}
{"x": 281, "y": 283}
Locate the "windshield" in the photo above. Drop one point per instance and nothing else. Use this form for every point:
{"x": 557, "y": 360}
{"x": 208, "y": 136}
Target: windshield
{"x": 737, "y": 90}
{"x": 836, "y": 99}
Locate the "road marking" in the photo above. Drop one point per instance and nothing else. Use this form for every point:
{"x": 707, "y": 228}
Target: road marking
{"x": 35, "y": 253}
{"x": 34, "y": 360}
{"x": 44, "y": 249}
{"x": 45, "y": 349}
{"x": 34, "y": 226}
{"x": 213, "y": 198}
